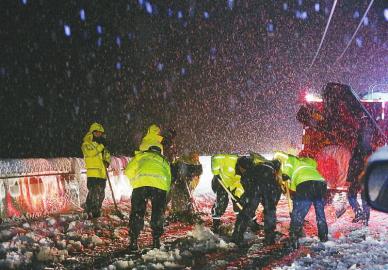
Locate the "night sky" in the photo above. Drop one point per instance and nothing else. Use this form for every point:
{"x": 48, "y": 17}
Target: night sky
{"x": 227, "y": 75}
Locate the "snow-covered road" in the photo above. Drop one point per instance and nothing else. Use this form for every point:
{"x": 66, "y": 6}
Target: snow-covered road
{"x": 71, "y": 242}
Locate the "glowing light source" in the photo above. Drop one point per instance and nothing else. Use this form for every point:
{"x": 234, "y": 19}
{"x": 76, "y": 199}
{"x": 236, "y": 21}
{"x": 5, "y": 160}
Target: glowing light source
{"x": 230, "y": 4}
{"x": 359, "y": 41}
{"x": 206, "y": 15}
{"x": 170, "y": 13}
{"x": 118, "y": 41}
{"x": 67, "y": 30}
{"x": 311, "y": 97}
{"x": 99, "y": 29}
{"x": 99, "y": 42}
{"x": 149, "y": 8}
{"x": 386, "y": 14}
{"x": 270, "y": 27}
{"x": 316, "y": 7}
{"x": 24, "y": 2}
{"x": 366, "y": 21}
{"x": 160, "y": 66}
{"x": 189, "y": 59}
{"x": 301, "y": 14}
{"x": 82, "y": 15}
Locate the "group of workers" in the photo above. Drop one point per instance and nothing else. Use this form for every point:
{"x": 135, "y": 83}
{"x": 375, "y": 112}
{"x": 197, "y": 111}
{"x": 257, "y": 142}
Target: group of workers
{"x": 157, "y": 174}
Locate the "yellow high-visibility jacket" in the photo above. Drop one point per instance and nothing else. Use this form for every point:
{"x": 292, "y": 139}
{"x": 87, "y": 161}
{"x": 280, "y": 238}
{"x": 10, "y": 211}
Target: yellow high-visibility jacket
{"x": 149, "y": 169}
{"x": 224, "y": 165}
{"x": 299, "y": 169}
{"x": 94, "y": 155}
{"x": 152, "y": 138}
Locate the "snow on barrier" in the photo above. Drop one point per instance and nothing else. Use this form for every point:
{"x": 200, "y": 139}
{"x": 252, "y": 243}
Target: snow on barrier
{"x": 35, "y": 187}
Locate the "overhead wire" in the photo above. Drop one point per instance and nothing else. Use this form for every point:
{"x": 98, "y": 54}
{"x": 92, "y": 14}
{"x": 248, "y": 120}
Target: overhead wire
{"x": 355, "y": 32}
{"x": 324, "y": 33}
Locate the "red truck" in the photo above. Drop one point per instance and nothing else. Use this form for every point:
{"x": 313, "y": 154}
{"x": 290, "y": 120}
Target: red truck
{"x": 331, "y": 125}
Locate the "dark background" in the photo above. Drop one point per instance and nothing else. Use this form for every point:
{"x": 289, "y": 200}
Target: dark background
{"x": 227, "y": 75}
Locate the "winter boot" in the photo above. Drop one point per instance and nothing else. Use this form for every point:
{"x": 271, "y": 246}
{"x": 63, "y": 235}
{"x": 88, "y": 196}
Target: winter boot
{"x": 216, "y": 226}
{"x": 323, "y": 238}
{"x": 294, "y": 242}
{"x": 269, "y": 240}
{"x": 365, "y": 222}
{"x": 301, "y": 233}
{"x": 156, "y": 242}
{"x": 133, "y": 246}
{"x": 254, "y": 226}
{"x": 359, "y": 216}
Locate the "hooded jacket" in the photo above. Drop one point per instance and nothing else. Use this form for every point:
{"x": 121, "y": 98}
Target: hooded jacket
{"x": 94, "y": 155}
{"x": 152, "y": 138}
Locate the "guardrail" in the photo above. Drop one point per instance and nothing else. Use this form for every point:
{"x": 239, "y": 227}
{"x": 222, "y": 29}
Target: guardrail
{"x": 35, "y": 187}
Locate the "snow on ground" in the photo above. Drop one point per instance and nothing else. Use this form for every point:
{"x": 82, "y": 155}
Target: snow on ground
{"x": 71, "y": 242}
{"x": 350, "y": 246}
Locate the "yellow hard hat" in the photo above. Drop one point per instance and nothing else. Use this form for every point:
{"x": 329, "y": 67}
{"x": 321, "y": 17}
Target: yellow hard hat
{"x": 96, "y": 127}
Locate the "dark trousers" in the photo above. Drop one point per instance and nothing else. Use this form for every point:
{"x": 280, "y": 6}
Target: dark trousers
{"x": 139, "y": 199}
{"x": 353, "y": 190}
{"x": 96, "y": 195}
{"x": 308, "y": 193}
{"x": 269, "y": 196}
{"x": 222, "y": 199}
{"x": 356, "y": 166}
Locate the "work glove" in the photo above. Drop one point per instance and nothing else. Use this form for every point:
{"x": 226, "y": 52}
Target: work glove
{"x": 100, "y": 140}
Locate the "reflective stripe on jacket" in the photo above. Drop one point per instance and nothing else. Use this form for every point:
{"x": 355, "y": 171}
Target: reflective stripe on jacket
{"x": 298, "y": 169}
{"x": 149, "y": 169}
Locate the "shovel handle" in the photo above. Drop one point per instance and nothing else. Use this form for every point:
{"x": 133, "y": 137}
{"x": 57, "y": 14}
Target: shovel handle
{"x": 111, "y": 189}
{"x": 288, "y": 198}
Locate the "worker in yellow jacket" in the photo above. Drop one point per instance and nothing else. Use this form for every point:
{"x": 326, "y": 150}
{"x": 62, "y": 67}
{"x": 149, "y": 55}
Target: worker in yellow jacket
{"x": 97, "y": 159}
{"x": 225, "y": 177}
{"x": 308, "y": 188}
{"x": 149, "y": 174}
{"x": 152, "y": 138}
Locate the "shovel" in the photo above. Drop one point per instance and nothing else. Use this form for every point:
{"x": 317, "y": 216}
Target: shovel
{"x": 117, "y": 213}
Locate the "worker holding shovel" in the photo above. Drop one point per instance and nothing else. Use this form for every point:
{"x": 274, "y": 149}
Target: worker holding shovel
{"x": 308, "y": 188}
{"x": 226, "y": 184}
{"x": 97, "y": 159}
{"x": 260, "y": 182}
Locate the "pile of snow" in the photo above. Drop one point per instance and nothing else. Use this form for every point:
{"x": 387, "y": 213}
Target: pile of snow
{"x": 124, "y": 264}
{"x": 51, "y": 254}
{"x": 160, "y": 258}
{"x": 49, "y": 240}
{"x": 97, "y": 240}
{"x": 206, "y": 240}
